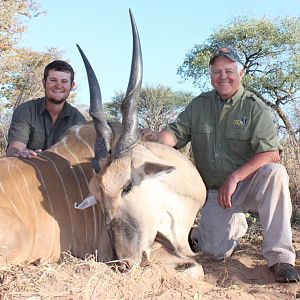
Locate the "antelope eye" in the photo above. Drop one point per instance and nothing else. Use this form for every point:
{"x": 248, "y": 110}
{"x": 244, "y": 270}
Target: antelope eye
{"x": 127, "y": 188}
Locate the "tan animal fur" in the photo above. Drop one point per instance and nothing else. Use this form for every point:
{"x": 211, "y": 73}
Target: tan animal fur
{"x": 37, "y": 214}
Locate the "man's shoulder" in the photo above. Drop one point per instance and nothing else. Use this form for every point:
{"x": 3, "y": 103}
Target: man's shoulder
{"x": 207, "y": 94}
{"x": 71, "y": 108}
{"x": 33, "y": 101}
{"x": 29, "y": 106}
{"x": 255, "y": 99}
{"x": 74, "y": 113}
{"x": 204, "y": 96}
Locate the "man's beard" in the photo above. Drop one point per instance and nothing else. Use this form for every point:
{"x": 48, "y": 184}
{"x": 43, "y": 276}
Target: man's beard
{"x": 55, "y": 101}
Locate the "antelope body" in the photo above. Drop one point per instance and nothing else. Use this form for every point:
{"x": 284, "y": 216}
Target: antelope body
{"x": 37, "y": 214}
{"x": 146, "y": 194}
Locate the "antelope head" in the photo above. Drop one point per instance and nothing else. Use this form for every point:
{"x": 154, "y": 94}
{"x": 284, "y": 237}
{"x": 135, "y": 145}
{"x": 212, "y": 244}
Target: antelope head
{"x": 119, "y": 169}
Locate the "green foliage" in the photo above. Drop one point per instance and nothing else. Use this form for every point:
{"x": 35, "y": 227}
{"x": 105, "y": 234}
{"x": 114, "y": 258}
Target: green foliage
{"x": 16, "y": 65}
{"x": 21, "y": 69}
{"x": 157, "y": 106}
{"x": 270, "y": 50}
{"x": 13, "y": 14}
{"x": 113, "y": 108}
{"x": 254, "y": 233}
{"x": 22, "y": 73}
{"x": 250, "y": 218}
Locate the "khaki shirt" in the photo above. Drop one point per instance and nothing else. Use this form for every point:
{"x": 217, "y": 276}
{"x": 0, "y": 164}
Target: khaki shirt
{"x": 31, "y": 124}
{"x": 224, "y": 134}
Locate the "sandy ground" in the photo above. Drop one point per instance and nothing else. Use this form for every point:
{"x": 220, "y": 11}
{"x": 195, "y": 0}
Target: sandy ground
{"x": 243, "y": 276}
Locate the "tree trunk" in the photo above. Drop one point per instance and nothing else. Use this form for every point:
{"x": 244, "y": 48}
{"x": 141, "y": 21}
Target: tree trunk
{"x": 288, "y": 125}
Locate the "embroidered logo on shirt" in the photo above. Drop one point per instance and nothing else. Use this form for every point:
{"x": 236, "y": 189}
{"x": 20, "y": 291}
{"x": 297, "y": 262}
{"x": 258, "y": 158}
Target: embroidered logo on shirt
{"x": 242, "y": 121}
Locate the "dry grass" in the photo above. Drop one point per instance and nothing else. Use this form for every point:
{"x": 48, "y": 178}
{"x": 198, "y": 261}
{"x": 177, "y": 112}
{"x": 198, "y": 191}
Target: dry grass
{"x": 290, "y": 158}
{"x": 243, "y": 276}
{"x": 87, "y": 279}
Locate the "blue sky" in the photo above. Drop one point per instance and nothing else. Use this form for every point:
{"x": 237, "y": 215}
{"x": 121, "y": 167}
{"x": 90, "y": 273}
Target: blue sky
{"x": 168, "y": 30}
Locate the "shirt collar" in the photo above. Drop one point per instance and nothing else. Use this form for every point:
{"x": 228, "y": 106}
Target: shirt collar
{"x": 234, "y": 98}
{"x": 42, "y": 107}
{"x": 66, "y": 111}
{"x": 238, "y": 95}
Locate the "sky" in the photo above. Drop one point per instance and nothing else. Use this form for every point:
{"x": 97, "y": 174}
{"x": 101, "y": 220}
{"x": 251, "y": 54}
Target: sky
{"x": 168, "y": 30}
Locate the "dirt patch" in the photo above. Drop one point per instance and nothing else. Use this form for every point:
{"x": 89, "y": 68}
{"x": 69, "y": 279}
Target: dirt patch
{"x": 243, "y": 276}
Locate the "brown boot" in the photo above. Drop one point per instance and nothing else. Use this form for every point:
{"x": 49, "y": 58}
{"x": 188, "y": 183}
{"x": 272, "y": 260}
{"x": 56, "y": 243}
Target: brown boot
{"x": 285, "y": 273}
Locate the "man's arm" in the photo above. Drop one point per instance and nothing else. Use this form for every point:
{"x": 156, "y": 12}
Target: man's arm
{"x": 252, "y": 165}
{"x": 18, "y": 149}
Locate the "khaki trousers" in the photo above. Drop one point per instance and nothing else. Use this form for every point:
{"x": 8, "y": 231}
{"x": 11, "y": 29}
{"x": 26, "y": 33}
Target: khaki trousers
{"x": 266, "y": 191}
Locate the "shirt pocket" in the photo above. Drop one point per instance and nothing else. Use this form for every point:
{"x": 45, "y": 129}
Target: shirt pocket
{"x": 238, "y": 141}
{"x": 203, "y": 138}
{"x": 36, "y": 139}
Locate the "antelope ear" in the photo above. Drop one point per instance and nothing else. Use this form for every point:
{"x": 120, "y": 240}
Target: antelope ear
{"x": 87, "y": 202}
{"x": 154, "y": 169}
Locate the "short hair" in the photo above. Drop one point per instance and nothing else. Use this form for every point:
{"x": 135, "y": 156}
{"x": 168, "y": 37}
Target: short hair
{"x": 59, "y": 65}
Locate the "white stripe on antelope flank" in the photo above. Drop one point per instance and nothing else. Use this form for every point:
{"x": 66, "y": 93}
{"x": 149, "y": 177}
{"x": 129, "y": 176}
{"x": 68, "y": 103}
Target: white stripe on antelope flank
{"x": 64, "y": 189}
{"x": 37, "y": 169}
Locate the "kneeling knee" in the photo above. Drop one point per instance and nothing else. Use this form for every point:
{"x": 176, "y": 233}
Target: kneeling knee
{"x": 274, "y": 170}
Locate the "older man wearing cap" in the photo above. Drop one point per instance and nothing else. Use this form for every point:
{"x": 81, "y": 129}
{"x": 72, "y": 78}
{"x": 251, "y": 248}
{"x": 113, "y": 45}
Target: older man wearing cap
{"x": 236, "y": 151}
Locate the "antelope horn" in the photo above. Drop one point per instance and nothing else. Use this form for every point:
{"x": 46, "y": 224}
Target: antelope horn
{"x": 103, "y": 130}
{"x": 130, "y": 133}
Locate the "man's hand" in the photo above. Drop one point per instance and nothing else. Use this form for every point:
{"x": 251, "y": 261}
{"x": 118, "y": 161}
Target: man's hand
{"x": 27, "y": 153}
{"x": 226, "y": 191}
{"x": 149, "y": 135}
{"x": 251, "y": 166}
{"x": 18, "y": 149}
{"x": 163, "y": 137}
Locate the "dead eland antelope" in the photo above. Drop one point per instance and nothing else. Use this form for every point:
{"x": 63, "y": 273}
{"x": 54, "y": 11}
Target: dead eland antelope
{"x": 146, "y": 194}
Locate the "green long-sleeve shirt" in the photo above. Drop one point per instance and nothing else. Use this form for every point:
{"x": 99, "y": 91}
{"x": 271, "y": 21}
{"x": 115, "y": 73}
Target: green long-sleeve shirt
{"x": 224, "y": 134}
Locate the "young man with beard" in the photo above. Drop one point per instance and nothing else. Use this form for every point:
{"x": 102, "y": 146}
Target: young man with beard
{"x": 38, "y": 124}
{"x": 237, "y": 153}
